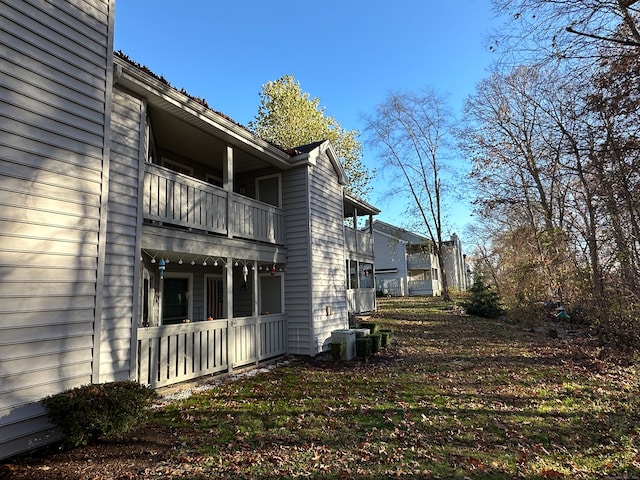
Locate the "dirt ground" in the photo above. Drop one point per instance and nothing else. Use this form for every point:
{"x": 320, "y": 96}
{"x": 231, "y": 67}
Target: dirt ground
{"x": 141, "y": 456}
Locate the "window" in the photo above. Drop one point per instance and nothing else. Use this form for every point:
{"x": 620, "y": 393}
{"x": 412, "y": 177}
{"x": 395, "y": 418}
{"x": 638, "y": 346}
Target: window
{"x": 270, "y": 294}
{"x": 366, "y": 275}
{"x": 352, "y": 274}
{"x": 215, "y": 297}
{"x": 176, "y": 300}
{"x": 177, "y": 166}
{"x": 214, "y": 180}
{"x": 243, "y": 299}
{"x": 268, "y": 190}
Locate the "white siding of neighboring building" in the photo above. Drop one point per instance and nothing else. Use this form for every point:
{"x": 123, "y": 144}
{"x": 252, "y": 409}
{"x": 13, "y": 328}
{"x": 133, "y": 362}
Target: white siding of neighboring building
{"x": 390, "y": 263}
{"x": 295, "y": 198}
{"x": 122, "y": 264}
{"x": 328, "y": 261}
{"x": 55, "y": 67}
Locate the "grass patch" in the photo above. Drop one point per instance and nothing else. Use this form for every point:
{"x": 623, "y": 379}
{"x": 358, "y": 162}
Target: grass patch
{"x": 451, "y": 397}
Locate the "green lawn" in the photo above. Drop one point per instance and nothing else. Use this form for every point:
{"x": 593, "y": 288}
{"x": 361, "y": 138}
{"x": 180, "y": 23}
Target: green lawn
{"x": 452, "y": 397}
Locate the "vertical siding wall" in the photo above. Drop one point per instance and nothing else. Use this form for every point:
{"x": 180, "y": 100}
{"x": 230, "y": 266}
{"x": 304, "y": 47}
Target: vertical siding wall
{"x": 55, "y": 60}
{"x": 327, "y": 251}
{"x": 122, "y": 262}
{"x": 295, "y": 199}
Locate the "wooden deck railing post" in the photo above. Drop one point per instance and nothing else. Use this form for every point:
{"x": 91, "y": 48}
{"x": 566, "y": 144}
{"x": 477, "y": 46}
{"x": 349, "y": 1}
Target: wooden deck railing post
{"x": 228, "y": 288}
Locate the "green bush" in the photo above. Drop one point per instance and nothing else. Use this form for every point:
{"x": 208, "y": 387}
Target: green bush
{"x": 386, "y": 335}
{"x": 376, "y": 341}
{"x": 101, "y": 411}
{"x": 373, "y": 327}
{"x": 484, "y": 300}
{"x": 338, "y": 350}
{"x": 363, "y": 346}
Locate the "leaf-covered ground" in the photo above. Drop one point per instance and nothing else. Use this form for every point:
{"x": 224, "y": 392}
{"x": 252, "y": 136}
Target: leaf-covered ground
{"x": 452, "y": 397}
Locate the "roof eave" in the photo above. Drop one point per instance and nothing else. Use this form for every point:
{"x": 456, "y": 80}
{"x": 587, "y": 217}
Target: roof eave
{"x": 164, "y": 96}
{"x": 361, "y": 204}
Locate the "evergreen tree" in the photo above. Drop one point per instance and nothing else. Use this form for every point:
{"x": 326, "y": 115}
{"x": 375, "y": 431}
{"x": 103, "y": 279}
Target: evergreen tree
{"x": 484, "y": 301}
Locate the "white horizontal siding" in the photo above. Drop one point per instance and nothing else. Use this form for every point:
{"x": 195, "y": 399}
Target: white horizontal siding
{"x": 297, "y": 279}
{"x": 54, "y": 65}
{"x": 119, "y": 291}
{"x": 327, "y": 252}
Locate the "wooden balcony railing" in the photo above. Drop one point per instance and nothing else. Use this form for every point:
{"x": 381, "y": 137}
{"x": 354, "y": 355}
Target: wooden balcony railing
{"x": 174, "y": 353}
{"x": 256, "y": 220}
{"x": 361, "y": 300}
{"x": 170, "y": 354}
{"x": 419, "y": 261}
{"x": 171, "y": 198}
{"x": 358, "y": 241}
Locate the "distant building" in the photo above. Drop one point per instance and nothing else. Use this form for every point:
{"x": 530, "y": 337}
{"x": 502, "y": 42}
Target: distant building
{"x": 406, "y": 263}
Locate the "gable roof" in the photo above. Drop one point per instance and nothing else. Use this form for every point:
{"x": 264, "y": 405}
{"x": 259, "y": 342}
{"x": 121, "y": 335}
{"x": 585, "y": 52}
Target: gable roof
{"x": 400, "y": 233}
{"x": 309, "y": 153}
{"x": 352, "y": 202}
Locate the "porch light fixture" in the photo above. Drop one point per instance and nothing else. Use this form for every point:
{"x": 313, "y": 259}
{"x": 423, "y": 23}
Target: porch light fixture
{"x": 204, "y": 264}
{"x": 180, "y": 262}
{"x": 193, "y": 262}
{"x": 161, "y": 267}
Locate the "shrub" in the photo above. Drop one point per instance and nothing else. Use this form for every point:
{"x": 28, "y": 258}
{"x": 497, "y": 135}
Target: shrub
{"x": 376, "y": 341}
{"x": 338, "y": 350}
{"x": 386, "y": 335}
{"x": 484, "y": 301}
{"x": 373, "y": 327}
{"x": 101, "y": 411}
{"x": 363, "y": 346}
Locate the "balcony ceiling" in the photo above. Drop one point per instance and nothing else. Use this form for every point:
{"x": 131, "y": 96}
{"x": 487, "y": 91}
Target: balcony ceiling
{"x": 176, "y": 135}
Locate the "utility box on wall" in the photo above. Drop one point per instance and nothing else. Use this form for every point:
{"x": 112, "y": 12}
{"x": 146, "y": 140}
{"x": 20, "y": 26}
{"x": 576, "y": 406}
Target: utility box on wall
{"x": 348, "y": 337}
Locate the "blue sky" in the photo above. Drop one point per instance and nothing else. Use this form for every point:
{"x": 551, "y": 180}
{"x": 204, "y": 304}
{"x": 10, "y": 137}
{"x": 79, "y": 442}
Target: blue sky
{"x": 347, "y": 53}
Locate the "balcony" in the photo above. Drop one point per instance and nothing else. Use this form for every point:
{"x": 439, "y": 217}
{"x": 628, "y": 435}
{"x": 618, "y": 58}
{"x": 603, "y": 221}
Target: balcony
{"x": 170, "y": 354}
{"x": 174, "y": 199}
{"x": 358, "y": 241}
{"x": 419, "y": 261}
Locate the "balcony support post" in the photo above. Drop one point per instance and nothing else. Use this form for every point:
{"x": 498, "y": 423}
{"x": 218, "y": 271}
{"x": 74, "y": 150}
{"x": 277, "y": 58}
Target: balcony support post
{"x": 228, "y": 306}
{"x": 227, "y": 178}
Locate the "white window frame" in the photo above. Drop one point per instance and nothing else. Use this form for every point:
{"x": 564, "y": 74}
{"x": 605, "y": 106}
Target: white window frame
{"x": 267, "y": 177}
